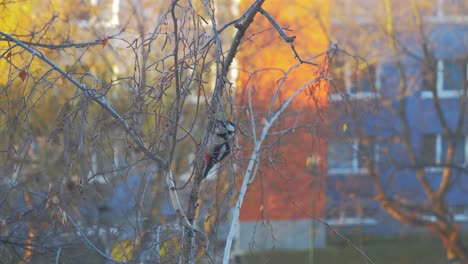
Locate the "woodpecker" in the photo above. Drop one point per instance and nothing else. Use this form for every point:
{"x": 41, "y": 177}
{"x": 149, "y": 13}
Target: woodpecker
{"x": 218, "y": 146}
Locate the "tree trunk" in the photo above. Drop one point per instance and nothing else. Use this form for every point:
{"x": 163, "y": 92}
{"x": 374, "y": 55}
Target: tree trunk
{"x": 456, "y": 251}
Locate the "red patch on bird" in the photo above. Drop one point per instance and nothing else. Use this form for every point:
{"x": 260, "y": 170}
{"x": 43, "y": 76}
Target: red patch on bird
{"x": 207, "y": 158}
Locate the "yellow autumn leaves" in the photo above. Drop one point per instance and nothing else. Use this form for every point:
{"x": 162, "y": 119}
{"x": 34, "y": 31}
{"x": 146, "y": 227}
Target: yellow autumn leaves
{"x": 124, "y": 250}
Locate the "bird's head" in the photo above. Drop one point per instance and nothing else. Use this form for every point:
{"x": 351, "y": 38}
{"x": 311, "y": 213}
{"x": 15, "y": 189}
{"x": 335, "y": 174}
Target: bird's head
{"x": 224, "y": 128}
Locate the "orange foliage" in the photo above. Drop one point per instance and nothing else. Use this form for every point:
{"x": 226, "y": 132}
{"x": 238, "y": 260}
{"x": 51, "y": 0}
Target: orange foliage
{"x": 263, "y": 59}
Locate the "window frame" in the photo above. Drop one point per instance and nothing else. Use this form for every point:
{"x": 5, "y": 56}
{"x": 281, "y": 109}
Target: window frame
{"x": 441, "y": 14}
{"x": 359, "y": 218}
{"x": 460, "y": 212}
{"x": 361, "y": 18}
{"x": 351, "y": 221}
{"x": 356, "y": 166}
{"x": 353, "y": 76}
{"x": 439, "y": 152}
{"x": 440, "y": 80}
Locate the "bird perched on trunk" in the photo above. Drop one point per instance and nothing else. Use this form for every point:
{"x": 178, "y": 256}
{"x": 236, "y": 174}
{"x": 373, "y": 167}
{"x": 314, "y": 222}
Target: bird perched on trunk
{"x": 219, "y": 144}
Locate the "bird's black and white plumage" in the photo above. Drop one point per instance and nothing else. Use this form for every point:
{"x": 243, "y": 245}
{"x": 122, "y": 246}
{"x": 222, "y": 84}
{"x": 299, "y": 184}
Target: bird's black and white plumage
{"x": 219, "y": 144}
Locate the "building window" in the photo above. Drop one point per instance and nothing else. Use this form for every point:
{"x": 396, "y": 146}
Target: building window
{"x": 340, "y": 156}
{"x": 338, "y": 74}
{"x": 451, "y": 8}
{"x": 460, "y": 212}
{"x": 351, "y": 156}
{"x": 359, "y": 80}
{"x": 429, "y": 148}
{"x": 350, "y": 215}
{"x": 107, "y": 15}
{"x": 452, "y": 75}
{"x": 356, "y": 10}
{"x": 449, "y": 79}
{"x": 363, "y": 80}
{"x": 444, "y": 11}
{"x": 434, "y": 150}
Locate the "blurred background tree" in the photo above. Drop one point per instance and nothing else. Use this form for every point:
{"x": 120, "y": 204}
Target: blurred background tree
{"x": 398, "y": 127}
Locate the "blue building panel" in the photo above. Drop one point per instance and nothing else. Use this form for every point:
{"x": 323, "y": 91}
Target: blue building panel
{"x": 376, "y": 118}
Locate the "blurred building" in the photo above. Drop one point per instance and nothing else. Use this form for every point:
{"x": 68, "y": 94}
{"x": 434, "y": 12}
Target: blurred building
{"x": 395, "y": 108}
{"x": 289, "y": 185}
{"x": 391, "y": 54}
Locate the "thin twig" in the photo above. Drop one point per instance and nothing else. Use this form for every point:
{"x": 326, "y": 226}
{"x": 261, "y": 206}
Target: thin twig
{"x": 242, "y": 28}
{"x": 94, "y": 95}
{"x": 66, "y": 45}
{"x": 75, "y": 225}
{"x": 176, "y": 202}
{"x": 250, "y": 168}
{"x": 236, "y": 21}
{"x": 286, "y": 38}
{"x": 254, "y": 130}
{"x": 222, "y": 70}
{"x": 369, "y": 260}
{"x": 57, "y": 258}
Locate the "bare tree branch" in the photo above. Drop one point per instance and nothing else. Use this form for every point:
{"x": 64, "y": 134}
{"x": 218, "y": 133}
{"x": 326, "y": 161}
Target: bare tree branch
{"x": 286, "y": 38}
{"x": 253, "y": 161}
{"x": 66, "y": 45}
{"x": 93, "y": 95}
{"x": 348, "y": 241}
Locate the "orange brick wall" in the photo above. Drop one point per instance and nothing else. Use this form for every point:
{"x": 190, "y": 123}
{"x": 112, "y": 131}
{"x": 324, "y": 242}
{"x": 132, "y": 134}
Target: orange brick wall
{"x": 287, "y": 179}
